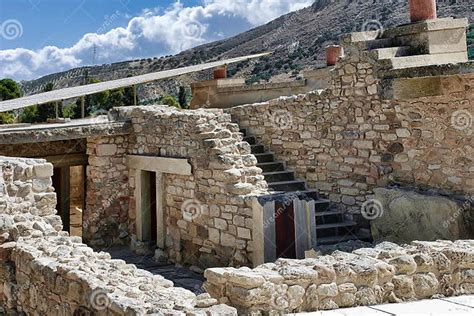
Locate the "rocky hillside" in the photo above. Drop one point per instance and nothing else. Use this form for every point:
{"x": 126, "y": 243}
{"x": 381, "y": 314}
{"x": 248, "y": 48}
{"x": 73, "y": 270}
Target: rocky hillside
{"x": 297, "y": 40}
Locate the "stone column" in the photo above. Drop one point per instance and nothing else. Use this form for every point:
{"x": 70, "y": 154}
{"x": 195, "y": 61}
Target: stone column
{"x": 220, "y": 73}
{"x": 421, "y": 10}
{"x": 333, "y": 54}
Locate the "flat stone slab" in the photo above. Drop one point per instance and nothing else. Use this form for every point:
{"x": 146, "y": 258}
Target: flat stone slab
{"x": 355, "y": 311}
{"x": 459, "y": 306}
{"x": 180, "y": 276}
{"x": 75, "y": 129}
{"x": 462, "y": 300}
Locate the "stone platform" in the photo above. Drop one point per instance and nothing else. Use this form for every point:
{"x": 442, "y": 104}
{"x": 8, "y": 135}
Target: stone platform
{"x": 459, "y": 306}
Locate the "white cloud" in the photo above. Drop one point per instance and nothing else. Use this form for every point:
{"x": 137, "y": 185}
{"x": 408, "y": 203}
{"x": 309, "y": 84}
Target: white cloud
{"x": 153, "y": 33}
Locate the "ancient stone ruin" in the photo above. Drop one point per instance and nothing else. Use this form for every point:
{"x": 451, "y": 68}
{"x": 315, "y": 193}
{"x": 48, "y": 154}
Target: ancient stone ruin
{"x": 376, "y": 148}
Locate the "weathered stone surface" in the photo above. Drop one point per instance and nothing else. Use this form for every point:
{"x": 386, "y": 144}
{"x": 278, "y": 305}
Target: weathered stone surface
{"x": 47, "y": 272}
{"x": 386, "y": 273}
{"x": 420, "y": 217}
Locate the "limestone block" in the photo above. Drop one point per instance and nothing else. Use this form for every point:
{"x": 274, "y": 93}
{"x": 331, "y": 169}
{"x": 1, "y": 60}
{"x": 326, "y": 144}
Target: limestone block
{"x": 409, "y": 216}
{"x": 43, "y": 170}
{"x": 425, "y": 285}
{"x": 106, "y": 150}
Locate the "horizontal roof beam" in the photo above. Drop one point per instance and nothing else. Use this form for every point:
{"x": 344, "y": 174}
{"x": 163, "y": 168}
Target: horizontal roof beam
{"x": 74, "y": 92}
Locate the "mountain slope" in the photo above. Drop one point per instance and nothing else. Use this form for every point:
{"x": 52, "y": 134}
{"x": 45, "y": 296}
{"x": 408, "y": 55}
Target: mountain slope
{"x": 297, "y": 40}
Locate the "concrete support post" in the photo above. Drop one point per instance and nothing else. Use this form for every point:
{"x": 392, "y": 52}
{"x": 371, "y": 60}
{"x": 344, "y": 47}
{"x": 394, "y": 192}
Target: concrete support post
{"x": 83, "y": 107}
{"x": 421, "y": 10}
{"x": 333, "y": 54}
{"x": 135, "y": 101}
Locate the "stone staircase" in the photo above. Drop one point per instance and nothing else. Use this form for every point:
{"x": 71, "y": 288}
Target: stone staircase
{"x": 428, "y": 43}
{"x": 332, "y": 227}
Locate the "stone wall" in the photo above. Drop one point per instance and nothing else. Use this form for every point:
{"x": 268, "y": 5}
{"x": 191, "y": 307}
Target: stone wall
{"x": 387, "y": 273}
{"x": 346, "y": 140}
{"x": 226, "y": 93}
{"x": 105, "y": 219}
{"x": 220, "y": 190}
{"x": 39, "y": 150}
{"x": 44, "y": 271}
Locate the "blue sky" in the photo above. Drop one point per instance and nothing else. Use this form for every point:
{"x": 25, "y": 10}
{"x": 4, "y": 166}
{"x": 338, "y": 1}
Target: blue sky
{"x": 38, "y": 37}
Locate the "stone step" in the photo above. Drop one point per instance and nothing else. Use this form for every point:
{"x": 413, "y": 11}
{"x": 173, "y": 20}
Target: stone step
{"x": 288, "y": 186}
{"x": 391, "y": 52}
{"x": 278, "y": 176}
{"x": 250, "y": 139}
{"x": 335, "y": 225}
{"x": 378, "y": 43}
{"x": 423, "y": 60}
{"x": 257, "y": 149}
{"x": 265, "y": 157}
{"x": 329, "y": 212}
{"x": 331, "y": 240}
{"x": 322, "y": 205}
{"x": 271, "y": 166}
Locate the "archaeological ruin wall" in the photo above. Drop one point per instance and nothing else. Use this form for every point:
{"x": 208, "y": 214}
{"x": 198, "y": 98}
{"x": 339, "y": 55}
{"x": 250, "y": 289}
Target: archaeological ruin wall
{"x": 44, "y": 271}
{"x": 347, "y": 140}
{"x": 207, "y": 218}
{"x": 387, "y": 273}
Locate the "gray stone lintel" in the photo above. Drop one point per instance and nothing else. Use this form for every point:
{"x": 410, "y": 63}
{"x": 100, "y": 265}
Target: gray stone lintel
{"x": 57, "y": 132}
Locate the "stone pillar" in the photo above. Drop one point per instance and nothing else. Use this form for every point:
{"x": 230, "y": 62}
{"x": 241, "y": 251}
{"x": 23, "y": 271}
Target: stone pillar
{"x": 333, "y": 54}
{"x": 421, "y": 10}
{"x": 220, "y": 73}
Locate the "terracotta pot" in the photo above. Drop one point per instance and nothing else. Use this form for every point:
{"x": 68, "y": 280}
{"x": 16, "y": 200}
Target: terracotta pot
{"x": 421, "y": 10}
{"x": 220, "y": 73}
{"x": 333, "y": 53}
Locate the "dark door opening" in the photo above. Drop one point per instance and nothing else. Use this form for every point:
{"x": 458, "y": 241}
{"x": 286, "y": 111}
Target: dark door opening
{"x": 149, "y": 217}
{"x": 69, "y": 184}
{"x": 285, "y": 230}
{"x": 61, "y": 183}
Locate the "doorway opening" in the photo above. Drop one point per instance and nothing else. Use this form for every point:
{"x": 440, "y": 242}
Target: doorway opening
{"x": 285, "y": 230}
{"x": 149, "y": 207}
{"x": 70, "y": 186}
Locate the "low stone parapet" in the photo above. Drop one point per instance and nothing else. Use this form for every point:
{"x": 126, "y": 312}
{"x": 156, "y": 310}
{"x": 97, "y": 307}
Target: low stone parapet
{"x": 387, "y": 273}
{"x": 44, "y": 271}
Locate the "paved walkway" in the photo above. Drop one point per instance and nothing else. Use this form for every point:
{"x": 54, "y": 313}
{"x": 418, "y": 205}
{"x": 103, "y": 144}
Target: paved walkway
{"x": 450, "y": 306}
{"x": 180, "y": 276}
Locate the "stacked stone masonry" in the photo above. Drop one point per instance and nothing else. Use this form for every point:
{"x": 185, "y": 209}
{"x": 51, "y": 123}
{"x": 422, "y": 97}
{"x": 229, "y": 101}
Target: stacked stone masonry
{"x": 387, "y": 273}
{"x": 347, "y": 140}
{"x": 223, "y": 184}
{"x": 43, "y": 271}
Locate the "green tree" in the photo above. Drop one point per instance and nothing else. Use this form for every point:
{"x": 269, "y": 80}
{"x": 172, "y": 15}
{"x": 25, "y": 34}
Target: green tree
{"x": 182, "y": 98}
{"x": 6, "y": 118}
{"x": 41, "y": 113}
{"x": 170, "y": 100}
{"x": 9, "y": 90}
